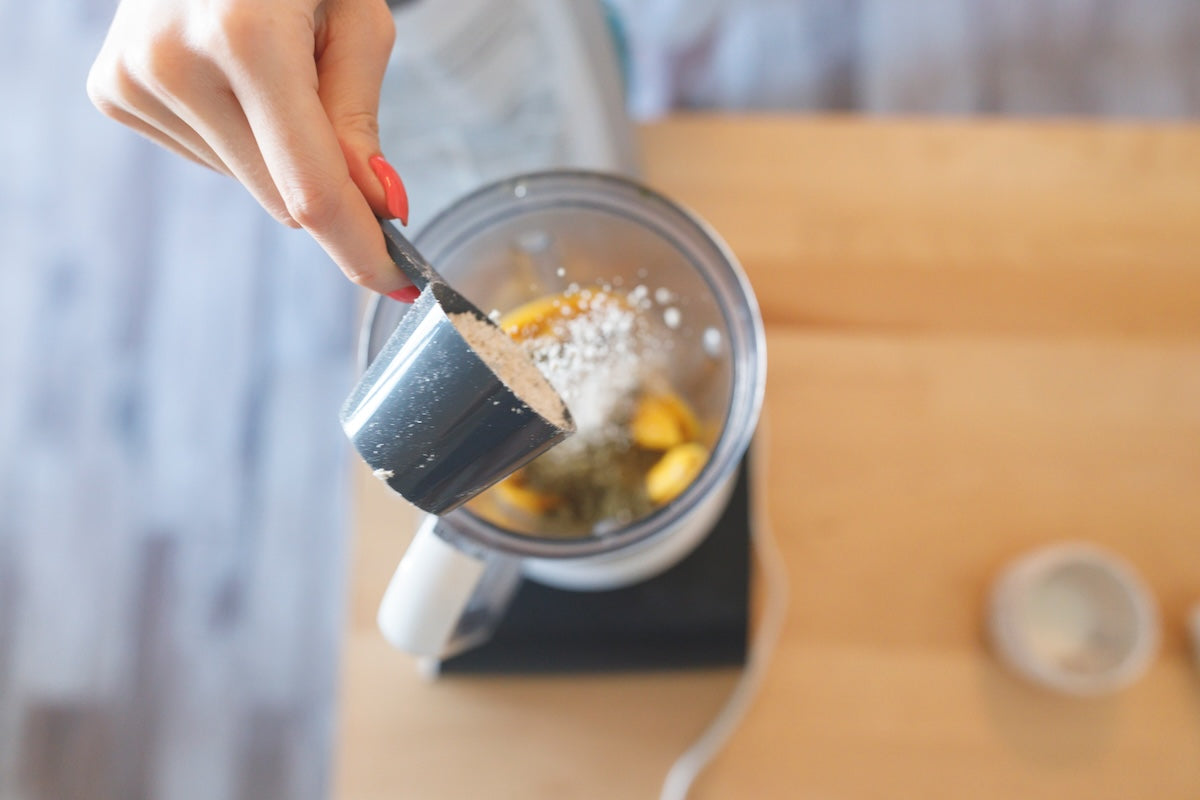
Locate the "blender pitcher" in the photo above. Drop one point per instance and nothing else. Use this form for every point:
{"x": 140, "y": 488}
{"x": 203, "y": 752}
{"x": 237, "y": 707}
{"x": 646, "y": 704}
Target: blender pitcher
{"x": 536, "y": 237}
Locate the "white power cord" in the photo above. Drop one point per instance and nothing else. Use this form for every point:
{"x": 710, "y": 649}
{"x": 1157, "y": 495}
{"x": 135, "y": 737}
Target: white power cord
{"x": 773, "y": 573}
{"x": 1194, "y": 631}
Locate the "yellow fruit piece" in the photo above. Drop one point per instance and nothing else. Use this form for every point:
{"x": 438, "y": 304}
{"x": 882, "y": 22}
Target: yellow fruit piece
{"x": 536, "y": 317}
{"x": 662, "y": 421}
{"x": 683, "y": 413}
{"x": 519, "y": 496}
{"x": 655, "y": 426}
{"x": 531, "y": 319}
{"x": 675, "y": 471}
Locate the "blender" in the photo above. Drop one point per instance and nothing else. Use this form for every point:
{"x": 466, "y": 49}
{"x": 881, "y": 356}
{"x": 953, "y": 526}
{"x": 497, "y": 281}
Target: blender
{"x": 536, "y": 236}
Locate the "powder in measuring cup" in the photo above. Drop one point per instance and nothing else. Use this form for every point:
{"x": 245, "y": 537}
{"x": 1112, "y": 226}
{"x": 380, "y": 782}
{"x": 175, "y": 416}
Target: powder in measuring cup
{"x": 512, "y": 366}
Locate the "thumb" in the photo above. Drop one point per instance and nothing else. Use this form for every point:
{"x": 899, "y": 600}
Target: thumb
{"x": 359, "y": 36}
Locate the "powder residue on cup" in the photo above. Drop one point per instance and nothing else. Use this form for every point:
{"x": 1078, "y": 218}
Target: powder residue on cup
{"x": 513, "y": 367}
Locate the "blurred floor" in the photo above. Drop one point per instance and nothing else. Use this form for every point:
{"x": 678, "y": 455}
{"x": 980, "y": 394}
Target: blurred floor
{"x": 1092, "y": 57}
{"x": 172, "y": 480}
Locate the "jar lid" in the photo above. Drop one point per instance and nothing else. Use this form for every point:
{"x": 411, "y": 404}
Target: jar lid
{"x": 1075, "y": 618}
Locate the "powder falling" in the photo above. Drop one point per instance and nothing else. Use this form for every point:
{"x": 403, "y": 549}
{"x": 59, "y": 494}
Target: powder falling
{"x": 600, "y": 352}
{"x": 596, "y": 359}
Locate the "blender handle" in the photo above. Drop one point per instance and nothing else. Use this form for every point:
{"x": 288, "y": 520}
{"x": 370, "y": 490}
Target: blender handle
{"x": 442, "y": 600}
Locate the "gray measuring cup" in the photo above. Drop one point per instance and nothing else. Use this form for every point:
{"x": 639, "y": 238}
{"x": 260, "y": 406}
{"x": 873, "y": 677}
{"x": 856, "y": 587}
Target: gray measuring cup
{"x": 430, "y": 415}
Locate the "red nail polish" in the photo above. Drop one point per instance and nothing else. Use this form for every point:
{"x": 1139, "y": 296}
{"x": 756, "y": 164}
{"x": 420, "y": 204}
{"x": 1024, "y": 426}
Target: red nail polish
{"x": 406, "y": 295}
{"x": 393, "y": 187}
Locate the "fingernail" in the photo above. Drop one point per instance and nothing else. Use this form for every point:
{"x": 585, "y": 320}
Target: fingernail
{"x": 393, "y": 187}
{"x": 406, "y": 295}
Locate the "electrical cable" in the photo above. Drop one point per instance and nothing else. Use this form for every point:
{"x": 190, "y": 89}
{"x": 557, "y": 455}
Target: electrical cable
{"x": 773, "y": 573}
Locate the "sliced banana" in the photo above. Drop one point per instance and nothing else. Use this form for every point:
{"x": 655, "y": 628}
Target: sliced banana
{"x": 533, "y": 318}
{"x": 675, "y": 471}
{"x": 537, "y": 317}
{"x": 662, "y": 421}
{"x": 521, "y": 497}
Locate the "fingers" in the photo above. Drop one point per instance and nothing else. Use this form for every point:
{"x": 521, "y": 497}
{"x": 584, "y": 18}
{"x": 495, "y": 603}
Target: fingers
{"x": 281, "y": 94}
{"x": 122, "y": 99}
{"x": 155, "y": 135}
{"x": 217, "y": 116}
{"x": 350, "y": 70}
{"x": 305, "y": 158}
{"x": 157, "y": 83}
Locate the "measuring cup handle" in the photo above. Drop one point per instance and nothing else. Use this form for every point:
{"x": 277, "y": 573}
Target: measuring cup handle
{"x": 407, "y": 257}
{"x": 442, "y": 600}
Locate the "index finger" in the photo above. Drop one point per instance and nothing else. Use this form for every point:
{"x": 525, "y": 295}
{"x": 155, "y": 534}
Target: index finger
{"x": 306, "y": 162}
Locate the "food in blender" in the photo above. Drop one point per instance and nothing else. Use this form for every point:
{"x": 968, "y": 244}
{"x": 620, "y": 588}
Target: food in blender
{"x": 638, "y": 444}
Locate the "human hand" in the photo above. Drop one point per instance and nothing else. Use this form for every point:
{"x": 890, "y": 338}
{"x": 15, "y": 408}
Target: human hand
{"x": 283, "y": 95}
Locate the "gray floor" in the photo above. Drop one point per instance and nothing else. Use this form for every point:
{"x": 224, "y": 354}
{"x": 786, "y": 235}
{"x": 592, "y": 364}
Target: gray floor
{"x": 172, "y": 479}
{"x": 1033, "y": 57}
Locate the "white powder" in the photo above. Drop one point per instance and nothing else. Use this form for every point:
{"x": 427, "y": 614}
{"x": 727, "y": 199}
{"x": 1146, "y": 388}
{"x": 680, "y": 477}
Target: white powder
{"x": 597, "y": 359}
{"x": 512, "y": 365}
{"x": 712, "y": 342}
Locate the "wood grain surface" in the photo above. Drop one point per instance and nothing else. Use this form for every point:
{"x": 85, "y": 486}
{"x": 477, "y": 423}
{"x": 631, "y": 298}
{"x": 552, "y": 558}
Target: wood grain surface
{"x": 982, "y": 337}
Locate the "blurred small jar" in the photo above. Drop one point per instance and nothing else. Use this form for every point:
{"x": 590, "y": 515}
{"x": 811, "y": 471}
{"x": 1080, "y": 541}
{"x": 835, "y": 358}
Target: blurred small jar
{"x": 1074, "y": 618}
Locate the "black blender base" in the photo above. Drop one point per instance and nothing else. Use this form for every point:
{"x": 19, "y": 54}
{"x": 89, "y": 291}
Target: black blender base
{"x": 693, "y": 615}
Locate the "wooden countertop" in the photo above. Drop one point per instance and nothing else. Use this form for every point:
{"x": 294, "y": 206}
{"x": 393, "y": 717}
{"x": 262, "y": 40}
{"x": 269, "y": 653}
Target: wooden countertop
{"x": 982, "y": 336}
